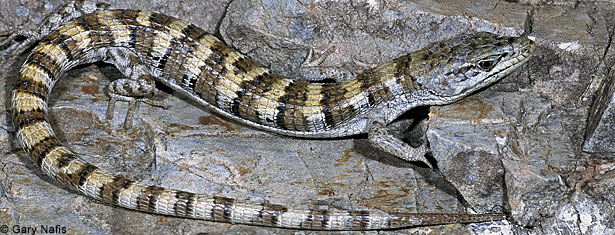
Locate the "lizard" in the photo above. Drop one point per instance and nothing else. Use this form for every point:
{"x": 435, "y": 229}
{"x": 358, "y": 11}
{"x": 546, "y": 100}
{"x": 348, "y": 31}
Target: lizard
{"x": 148, "y": 46}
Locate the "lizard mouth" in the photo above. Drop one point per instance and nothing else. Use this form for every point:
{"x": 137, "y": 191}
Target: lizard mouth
{"x": 522, "y": 52}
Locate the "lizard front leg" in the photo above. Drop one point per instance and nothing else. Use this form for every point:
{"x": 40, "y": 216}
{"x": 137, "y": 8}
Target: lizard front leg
{"x": 385, "y": 141}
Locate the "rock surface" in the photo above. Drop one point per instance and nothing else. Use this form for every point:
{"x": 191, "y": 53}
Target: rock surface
{"x": 537, "y": 145}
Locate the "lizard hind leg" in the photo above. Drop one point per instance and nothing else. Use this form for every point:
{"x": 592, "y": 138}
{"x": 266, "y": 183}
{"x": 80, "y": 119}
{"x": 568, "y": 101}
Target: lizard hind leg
{"x": 312, "y": 71}
{"x": 68, "y": 11}
{"x": 138, "y": 86}
{"x": 133, "y": 92}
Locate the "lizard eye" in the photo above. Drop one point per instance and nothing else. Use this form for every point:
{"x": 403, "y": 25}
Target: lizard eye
{"x": 486, "y": 65}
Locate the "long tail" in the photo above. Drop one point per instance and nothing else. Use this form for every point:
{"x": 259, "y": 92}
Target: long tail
{"x": 67, "y": 47}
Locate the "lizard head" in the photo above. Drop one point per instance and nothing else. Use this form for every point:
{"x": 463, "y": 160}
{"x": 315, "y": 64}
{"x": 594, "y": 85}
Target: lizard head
{"x": 452, "y": 69}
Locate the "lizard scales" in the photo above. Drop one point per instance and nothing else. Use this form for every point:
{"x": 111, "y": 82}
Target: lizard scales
{"x": 198, "y": 64}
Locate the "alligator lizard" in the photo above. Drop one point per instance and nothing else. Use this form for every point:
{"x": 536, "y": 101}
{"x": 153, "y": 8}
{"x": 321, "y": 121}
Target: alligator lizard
{"x": 147, "y": 46}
